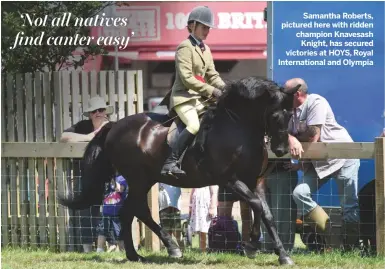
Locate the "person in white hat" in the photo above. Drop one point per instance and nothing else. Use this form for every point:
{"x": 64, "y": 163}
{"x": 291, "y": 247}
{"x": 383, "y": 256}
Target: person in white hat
{"x": 97, "y": 113}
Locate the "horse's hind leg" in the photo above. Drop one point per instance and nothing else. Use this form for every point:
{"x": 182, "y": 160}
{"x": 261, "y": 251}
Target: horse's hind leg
{"x": 260, "y": 207}
{"x": 126, "y": 218}
{"x": 144, "y": 214}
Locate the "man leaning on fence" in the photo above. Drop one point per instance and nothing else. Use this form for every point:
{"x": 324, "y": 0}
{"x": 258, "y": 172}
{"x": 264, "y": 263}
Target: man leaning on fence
{"x": 97, "y": 113}
{"x": 313, "y": 121}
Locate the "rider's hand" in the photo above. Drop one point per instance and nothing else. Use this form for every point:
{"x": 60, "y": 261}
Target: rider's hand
{"x": 217, "y": 93}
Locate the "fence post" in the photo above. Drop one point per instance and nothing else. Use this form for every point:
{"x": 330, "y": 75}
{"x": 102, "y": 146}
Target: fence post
{"x": 380, "y": 194}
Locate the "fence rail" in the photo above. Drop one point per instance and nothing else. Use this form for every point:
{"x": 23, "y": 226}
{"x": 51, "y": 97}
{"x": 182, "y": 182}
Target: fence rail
{"x": 320, "y": 151}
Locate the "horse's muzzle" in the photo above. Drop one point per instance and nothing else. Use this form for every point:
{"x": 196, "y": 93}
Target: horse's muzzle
{"x": 280, "y": 152}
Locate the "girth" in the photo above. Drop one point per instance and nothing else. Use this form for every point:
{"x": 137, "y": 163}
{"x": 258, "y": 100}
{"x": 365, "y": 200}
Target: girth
{"x": 266, "y": 169}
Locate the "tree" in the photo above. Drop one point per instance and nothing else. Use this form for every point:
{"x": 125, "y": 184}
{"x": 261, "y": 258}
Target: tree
{"x": 33, "y": 58}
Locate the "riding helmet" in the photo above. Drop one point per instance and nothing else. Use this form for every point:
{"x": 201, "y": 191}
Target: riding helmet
{"x": 202, "y": 14}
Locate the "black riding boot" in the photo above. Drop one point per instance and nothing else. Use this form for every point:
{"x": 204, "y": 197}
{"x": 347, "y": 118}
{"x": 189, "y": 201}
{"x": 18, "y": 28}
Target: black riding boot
{"x": 171, "y": 164}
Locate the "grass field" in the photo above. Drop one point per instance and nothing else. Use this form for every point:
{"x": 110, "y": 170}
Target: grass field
{"x": 21, "y": 259}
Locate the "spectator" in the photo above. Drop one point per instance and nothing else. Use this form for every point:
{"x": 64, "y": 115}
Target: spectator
{"x": 169, "y": 210}
{"x": 110, "y": 222}
{"x": 203, "y": 207}
{"x": 97, "y": 113}
{"x": 226, "y": 200}
{"x": 314, "y": 121}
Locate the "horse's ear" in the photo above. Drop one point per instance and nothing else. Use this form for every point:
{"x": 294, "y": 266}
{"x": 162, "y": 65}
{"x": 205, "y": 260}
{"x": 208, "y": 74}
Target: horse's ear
{"x": 292, "y": 90}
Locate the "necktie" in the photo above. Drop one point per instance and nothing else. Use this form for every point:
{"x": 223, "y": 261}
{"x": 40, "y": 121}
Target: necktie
{"x": 202, "y": 46}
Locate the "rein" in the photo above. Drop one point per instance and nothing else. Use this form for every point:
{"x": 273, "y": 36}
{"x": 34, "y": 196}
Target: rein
{"x": 232, "y": 114}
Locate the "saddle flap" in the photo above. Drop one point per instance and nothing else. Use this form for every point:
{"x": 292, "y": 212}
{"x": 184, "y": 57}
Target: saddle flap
{"x": 177, "y": 127}
{"x": 199, "y": 141}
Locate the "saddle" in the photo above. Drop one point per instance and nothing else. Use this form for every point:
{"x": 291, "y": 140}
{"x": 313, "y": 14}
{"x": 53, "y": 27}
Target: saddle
{"x": 177, "y": 126}
{"x": 199, "y": 143}
{"x": 176, "y": 129}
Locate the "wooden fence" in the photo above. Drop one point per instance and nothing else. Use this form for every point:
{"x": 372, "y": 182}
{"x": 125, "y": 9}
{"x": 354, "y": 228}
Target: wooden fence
{"x": 312, "y": 151}
{"x": 35, "y": 108}
{"x": 38, "y": 107}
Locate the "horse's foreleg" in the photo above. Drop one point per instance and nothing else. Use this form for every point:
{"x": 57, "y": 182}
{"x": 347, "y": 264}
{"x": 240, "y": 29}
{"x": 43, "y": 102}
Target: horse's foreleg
{"x": 267, "y": 215}
{"x": 260, "y": 192}
{"x": 144, "y": 214}
{"x": 260, "y": 208}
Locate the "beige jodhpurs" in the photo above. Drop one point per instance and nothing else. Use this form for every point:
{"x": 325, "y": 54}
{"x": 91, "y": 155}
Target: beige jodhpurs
{"x": 188, "y": 113}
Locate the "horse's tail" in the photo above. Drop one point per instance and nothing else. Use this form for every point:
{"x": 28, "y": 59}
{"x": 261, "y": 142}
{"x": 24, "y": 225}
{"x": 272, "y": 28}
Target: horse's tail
{"x": 97, "y": 171}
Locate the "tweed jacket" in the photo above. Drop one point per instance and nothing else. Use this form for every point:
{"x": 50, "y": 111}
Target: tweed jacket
{"x": 190, "y": 62}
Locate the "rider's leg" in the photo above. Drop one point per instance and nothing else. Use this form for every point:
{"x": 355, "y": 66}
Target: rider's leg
{"x": 189, "y": 116}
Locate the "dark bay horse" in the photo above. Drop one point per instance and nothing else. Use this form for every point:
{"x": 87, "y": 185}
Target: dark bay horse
{"x": 136, "y": 147}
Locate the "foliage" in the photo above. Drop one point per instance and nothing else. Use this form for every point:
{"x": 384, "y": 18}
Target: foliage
{"x": 33, "y": 58}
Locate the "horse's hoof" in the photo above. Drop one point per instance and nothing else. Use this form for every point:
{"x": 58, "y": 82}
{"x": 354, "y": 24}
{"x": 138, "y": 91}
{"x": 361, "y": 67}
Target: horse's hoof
{"x": 250, "y": 250}
{"x": 175, "y": 253}
{"x": 286, "y": 261}
{"x": 138, "y": 259}
{"x": 143, "y": 260}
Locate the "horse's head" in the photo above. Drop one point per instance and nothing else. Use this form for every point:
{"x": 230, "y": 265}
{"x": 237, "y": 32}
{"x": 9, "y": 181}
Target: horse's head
{"x": 277, "y": 119}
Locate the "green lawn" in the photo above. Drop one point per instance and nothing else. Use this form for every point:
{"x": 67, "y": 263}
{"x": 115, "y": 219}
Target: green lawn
{"x": 21, "y": 259}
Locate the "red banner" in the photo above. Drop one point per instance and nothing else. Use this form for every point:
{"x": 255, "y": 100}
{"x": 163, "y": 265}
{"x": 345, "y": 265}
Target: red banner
{"x": 240, "y": 25}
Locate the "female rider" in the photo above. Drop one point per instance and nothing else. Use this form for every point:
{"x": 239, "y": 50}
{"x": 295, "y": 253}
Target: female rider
{"x": 196, "y": 80}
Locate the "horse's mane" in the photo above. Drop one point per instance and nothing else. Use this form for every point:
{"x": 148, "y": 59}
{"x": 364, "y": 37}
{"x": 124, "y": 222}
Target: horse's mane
{"x": 249, "y": 88}
{"x": 239, "y": 92}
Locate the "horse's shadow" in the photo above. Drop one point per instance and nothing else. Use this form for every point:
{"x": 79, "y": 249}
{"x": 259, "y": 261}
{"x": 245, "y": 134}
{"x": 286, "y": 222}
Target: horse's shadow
{"x": 195, "y": 257}
{"x": 161, "y": 258}
{"x": 153, "y": 258}
{"x": 96, "y": 258}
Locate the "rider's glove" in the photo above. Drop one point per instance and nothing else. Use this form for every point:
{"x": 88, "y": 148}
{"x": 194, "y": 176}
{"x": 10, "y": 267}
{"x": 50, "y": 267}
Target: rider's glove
{"x": 217, "y": 93}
